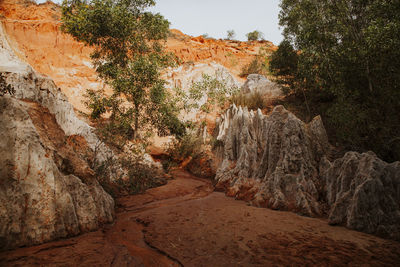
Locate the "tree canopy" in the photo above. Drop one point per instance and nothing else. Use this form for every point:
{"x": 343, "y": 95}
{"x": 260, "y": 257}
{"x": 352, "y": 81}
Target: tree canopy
{"x": 230, "y": 34}
{"x": 254, "y": 35}
{"x": 346, "y": 51}
{"x": 128, "y": 44}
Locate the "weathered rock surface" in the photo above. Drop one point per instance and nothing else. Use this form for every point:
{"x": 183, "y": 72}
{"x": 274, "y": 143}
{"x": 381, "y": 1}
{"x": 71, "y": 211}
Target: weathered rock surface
{"x": 185, "y": 75}
{"x": 257, "y": 83}
{"x": 279, "y": 162}
{"x": 47, "y": 189}
{"x": 272, "y": 161}
{"x": 364, "y": 193}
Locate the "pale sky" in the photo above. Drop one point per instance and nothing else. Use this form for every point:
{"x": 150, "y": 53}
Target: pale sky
{"x": 215, "y": 17}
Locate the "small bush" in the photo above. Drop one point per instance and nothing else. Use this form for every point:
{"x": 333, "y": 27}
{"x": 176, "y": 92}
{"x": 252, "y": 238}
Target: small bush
{"x": 254, "y": 67}
{"x": 254, "y": 36}
{"x": 230, "y": 35}
{"x": 190, "y": 145}
{"x": 252, "y": 101}
{"x": 140, "y": 176}
{"x": 215, "y": 143}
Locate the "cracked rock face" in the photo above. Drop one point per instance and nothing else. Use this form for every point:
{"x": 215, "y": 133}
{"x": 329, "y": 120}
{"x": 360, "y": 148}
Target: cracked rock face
{"x": 47, "y": 189}
{"x": 46, "y": 192}
{"x": 364, "y": 193}
{"x": 271, "y": 161}
{"x": 277, "y": 161}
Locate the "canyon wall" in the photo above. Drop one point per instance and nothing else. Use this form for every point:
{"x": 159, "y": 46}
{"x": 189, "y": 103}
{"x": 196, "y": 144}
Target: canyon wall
{"x": 34, "y": 31}
{"x": 47, "y": 188}
{"x": 279, "y": 162}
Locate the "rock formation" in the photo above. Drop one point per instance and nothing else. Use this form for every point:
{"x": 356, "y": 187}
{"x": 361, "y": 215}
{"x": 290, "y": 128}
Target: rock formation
{"x": 277, "y": 161}
{"x": 47, "y": 189}
{"x": 257, "y": 83}
{"x": 272, "y": 161}
{"x": 363, "y": 193}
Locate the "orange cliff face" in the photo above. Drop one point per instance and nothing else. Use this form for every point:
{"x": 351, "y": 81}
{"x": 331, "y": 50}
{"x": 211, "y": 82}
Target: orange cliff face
{"x": 233, "y": 55}
{"x": 34, "y": 32}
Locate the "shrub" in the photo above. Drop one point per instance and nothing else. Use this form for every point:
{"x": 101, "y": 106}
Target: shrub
{"x": 254, "y": 67}
{"x": 230, "y": 35}
{"x": 140, "y": 176}
{"x": 252, "y": 101}
{"x": 254, "y": 36}
{"x": 189, "y": 145}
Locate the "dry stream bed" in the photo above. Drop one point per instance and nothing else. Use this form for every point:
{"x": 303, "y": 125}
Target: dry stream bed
{"x": 186, "y": 223}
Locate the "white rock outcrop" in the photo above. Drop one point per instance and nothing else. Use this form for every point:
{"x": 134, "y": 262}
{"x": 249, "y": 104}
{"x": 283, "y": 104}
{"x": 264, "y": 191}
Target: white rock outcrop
{"x": 272, "y": 160}
{"x": 47, "y": 189}
{"x": 363, "y": 193}
{"x": 257, "y": 83}
{"x": 277, "y": 161}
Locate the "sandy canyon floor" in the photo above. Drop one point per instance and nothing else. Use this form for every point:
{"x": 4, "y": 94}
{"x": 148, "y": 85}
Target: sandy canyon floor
{"x": 186, "y": 223}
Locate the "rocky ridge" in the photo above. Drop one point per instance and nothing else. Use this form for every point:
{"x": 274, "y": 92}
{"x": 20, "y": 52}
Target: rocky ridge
{"x": 279, "y": 162}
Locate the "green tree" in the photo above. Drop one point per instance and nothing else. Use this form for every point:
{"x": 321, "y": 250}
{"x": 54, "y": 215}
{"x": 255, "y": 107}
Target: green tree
{"x": 216, "y": 90}
{"x": 230, "y": 35}
{"x": 254, "y": 36}
{"x": 346, "y": 51}
{"x": 128, "y": 54}
{"x": 284, "y": 65}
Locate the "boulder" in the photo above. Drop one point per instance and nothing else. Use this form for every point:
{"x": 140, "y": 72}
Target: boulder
{"x": 257, "y": 83}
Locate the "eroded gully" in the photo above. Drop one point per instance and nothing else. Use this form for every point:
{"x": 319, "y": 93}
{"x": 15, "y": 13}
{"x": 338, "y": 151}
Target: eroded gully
{"x": 185, "y": 223}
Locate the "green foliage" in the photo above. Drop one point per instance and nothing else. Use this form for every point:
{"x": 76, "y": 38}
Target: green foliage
{"x": 215, "y": 143}
{"x": 206, "y": 36}
{"x": 190, "y": 145}
{"x": 216, "y": 89}
{"x": 129, "y": 56}
{"x": 255, "y": 35}
{"x": 259, "y": 65}
{"x": 284, "y": 65}
{"x": 254, "y": 67}
{"x": 230, "y": 34}
{"x": 140, "y": 176}
{"x": 5, "y": 88}
{"x": 252, "y": 101}
{"x": 347, "y": 51}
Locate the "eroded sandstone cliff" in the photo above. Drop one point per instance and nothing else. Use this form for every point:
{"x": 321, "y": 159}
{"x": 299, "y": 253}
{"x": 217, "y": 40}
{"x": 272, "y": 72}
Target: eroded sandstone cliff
{"x": 34, "y": 31}
{"x": 278, "y": 161}
{"x": 47, "y": 188}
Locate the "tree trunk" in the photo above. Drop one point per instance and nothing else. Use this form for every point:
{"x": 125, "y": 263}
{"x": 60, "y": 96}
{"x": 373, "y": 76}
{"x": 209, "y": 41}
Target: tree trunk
{"x": 136, "y": 123}
{"x": 369, "y": 78}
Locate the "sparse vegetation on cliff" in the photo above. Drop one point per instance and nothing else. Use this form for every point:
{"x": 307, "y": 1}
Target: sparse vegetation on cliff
{"x": 259, "y": 65}
{"x": 230, "y": 34}
{"x": 255, "y": 35}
